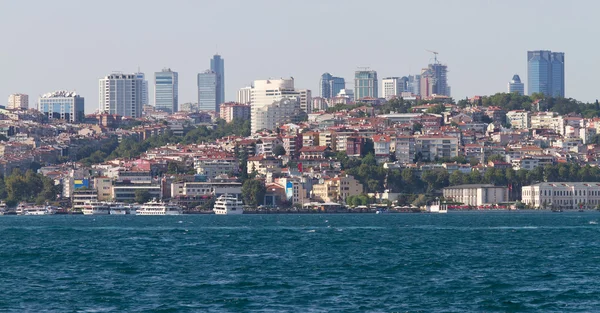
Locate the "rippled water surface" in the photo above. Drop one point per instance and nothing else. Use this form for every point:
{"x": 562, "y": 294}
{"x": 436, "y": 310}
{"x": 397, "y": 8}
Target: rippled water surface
{"x": 456, "y": 262}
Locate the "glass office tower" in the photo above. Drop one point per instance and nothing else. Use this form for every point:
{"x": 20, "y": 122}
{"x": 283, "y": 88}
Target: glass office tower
{"x": 546, "y": 73}
{"x": 166, "y": 91}
{"x": 207, "y": 91}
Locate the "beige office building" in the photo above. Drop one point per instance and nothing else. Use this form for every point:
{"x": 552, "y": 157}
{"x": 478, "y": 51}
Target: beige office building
{"x": 18, "y": 101}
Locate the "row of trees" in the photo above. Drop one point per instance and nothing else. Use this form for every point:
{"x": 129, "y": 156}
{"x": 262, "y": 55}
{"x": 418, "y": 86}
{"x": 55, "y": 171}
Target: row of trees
{"x": 410, "y": 182}
{"x": 515, "y": 101}
{"x": 133, "y": 148}
{"x": 28, "y": 186}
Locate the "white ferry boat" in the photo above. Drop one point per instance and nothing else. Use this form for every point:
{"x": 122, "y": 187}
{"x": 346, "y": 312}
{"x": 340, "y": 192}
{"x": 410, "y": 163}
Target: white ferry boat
{"x": 3, "y": 207}
{"x": 159, "y": 208}
{"x": 26, "y": 209}
{"x": 96, "y": 208}
{"x": 228, "y": 205}
{"x": 121, "y": 209}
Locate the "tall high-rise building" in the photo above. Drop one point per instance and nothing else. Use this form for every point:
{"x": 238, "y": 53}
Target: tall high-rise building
{"x": 62, "y": 105}
{"x": 330, "y": 86}
{"x": 274, "y": 102}
{"x": 121, "y": 94}
{"x": 365, "y": 84}
{"x": 305, "y": 100}
{"x": 515, "y": 85}
{"x": 18, "y": 101}
{"x": 546, "y": 73}
{"x": 144, "y": 97}
{"x": 434, "y": 80}
{"x": 166, "y": 90}
{"x": 394, "y": 86}
{"x": 217, "y": 65}
{"x": 207, "y": 91}
{"x": 244, "y": 95}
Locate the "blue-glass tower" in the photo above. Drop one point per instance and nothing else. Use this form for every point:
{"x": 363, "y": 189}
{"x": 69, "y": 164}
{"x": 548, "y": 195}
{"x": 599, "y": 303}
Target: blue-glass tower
{"x": 217, "y": 65}
{"x": 330, "y": 85}
{"x": 208, "y": 91}
{"x": 166, "y": 91}
{"x": 546, "y": 73}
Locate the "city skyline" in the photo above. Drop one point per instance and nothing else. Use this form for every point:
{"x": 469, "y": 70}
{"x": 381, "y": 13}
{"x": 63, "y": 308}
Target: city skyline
{"x": 472, "y": 71}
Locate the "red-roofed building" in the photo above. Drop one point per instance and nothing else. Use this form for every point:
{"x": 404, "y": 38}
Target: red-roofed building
{"x": 382, "y": 145}
{"x": 317, "y": 152}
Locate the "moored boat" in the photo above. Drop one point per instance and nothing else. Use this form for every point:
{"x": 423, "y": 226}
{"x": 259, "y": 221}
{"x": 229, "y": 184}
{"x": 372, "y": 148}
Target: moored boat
{"x": 3, "y": 207}
{"x": 155, "y": 207}
{"x": 29, "y": 209}
{"x": 228, "y": 205}
{"x": 96, "y": 208}
{"x": 117, "y": 208}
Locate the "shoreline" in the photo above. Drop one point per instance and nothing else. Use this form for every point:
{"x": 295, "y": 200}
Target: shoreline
{"x": 309, "y": 212}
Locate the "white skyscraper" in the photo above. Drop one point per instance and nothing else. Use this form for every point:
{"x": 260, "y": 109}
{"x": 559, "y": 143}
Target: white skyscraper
{"x": 305, "y": 100}
{"x": 244, "y": 95}
{"x": 273, "y": 102}
{"x": 121, "y": 94}
{"x": 393, "y": 86}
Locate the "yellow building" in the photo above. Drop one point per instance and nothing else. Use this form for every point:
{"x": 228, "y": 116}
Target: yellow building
{"x": 337, "y": 189}
{"x": 104, "y": 188}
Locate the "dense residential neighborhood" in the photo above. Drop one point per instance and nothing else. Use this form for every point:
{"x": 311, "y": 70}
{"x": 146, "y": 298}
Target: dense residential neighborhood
{"x": 482, "y": 152}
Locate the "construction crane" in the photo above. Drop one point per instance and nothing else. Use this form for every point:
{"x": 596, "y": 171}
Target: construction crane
{"x": 435, "y": 60}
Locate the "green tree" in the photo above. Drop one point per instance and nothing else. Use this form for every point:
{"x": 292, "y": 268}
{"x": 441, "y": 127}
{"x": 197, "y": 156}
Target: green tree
{"x": 142, "y": 196}
{"x": 417, "y": 127}
{"x": 278, "y": 150}
{"x": 16, "y": 187}
{"x": 495, "y": 157}
{"x": 456, "y": 178}
{"x": 368, "y": 147}
{"x": 3, "y": 193}
{"x": 437, "y": 109}
{"x": 369, "y": 160}
{"x": 420, "y": 201}
{"x": 253, "y": 192}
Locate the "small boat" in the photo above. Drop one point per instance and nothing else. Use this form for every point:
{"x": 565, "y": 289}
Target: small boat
{"x": 155, "y": 207}
{"x": 228, "y": 205}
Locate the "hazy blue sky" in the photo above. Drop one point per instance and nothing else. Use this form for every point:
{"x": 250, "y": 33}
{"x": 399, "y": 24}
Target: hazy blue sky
{"x": 60, "y": 44}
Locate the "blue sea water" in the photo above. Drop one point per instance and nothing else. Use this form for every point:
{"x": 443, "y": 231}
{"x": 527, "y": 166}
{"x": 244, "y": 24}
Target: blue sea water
{"x": 456, "y": 262}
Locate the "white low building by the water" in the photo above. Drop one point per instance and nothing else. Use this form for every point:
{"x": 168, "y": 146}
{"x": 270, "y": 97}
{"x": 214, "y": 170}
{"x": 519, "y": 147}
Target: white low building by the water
{"x": 562, "y": 195}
